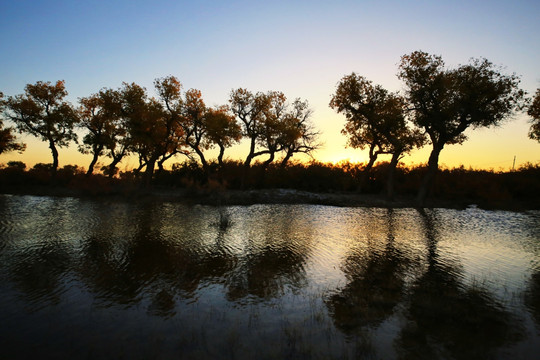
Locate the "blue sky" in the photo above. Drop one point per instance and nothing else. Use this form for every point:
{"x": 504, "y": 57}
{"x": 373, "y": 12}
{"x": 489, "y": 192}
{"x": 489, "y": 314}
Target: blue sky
{"x": 301, "y": 48}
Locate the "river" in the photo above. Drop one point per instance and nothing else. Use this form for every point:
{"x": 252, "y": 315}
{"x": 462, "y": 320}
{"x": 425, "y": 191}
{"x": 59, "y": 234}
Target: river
{"x": 84, "y": 278}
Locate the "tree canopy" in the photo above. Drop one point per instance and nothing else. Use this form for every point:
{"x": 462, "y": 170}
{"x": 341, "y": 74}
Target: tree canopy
{"x": 222, "y": 129}
{"x": 8, "y": 141}
{"x": 534, "y": 112}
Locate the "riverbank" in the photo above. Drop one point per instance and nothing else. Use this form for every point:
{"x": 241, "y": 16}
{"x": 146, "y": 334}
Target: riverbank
{"x": 270, "y": 196}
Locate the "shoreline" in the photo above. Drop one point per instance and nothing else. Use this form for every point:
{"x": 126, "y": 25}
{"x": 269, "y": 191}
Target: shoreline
{"x": 271, "y": 196}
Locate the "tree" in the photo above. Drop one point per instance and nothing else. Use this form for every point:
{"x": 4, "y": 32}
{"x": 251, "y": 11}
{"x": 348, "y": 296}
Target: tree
{"x": 7, "y": 139}
{"x": 365, "y": 108}
{"x": 298, "y": 133}
{"x": 154, "y": 126}
{"x": 534, "y": 112}
{"x": 193, "y": 124}
{"x": 146, "y": 127}
{"x": 251, "y": 109}
{"x": 375, "y": 118}
{"x": 222, "y": 129}
{"x": 42, "y": 112}
{"x": 119, "y": 144}
{"x": 99, "y": 114}
{"x": 169, "y": 95}
{"x": 273, "y": 126}
{"x": 446, "y": 102}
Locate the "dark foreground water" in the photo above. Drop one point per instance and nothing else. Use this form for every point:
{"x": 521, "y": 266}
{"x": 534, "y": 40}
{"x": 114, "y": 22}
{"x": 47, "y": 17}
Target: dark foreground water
{"x": 92, "y": 279}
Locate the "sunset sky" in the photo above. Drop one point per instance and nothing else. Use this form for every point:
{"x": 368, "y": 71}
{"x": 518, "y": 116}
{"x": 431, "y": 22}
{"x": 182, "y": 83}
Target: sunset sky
{"x": 302, "y": 48}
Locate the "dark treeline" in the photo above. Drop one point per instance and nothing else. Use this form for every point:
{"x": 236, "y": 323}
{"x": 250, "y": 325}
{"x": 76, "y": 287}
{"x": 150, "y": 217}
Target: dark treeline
{"x": 438, "y": 105}
{"x": 517, "y": 189}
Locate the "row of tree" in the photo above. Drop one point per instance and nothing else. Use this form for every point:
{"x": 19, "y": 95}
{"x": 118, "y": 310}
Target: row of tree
{"x": 439, "y": 104}
{"x": 123, "y": 121}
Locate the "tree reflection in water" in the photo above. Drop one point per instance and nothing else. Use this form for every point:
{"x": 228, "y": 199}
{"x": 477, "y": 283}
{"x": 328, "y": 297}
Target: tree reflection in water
{"x": 375, "y": 286}
{"x": 173, "y": 263}
{"x": 38, "y": 268}
{"x": 152, "y": 263}
{"x": 273, "y": 259}
{"x": 449, "y": 318}
{"x": 532, "y": 297}
{"x": 136, "y": 280}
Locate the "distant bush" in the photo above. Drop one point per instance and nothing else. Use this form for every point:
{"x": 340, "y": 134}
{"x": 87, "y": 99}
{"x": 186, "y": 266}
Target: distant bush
{"x": 485, "y": 187}
{"x": 16, "y": 165}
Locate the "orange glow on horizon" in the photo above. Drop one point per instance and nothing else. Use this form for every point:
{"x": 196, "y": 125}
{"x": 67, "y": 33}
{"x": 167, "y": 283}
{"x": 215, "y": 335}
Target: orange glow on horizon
{"x": 485, "y": 149}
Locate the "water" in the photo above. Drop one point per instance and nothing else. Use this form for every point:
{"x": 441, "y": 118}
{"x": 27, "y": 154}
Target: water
{"x": 97, "y": 279}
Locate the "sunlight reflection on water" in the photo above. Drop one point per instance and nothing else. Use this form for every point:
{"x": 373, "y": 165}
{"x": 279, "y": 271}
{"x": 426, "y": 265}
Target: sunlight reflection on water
{"x": 164, "y": 280}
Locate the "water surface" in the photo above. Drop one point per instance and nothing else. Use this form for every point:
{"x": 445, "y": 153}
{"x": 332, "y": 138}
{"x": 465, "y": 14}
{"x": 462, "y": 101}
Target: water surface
{"x": 96, "y": 279}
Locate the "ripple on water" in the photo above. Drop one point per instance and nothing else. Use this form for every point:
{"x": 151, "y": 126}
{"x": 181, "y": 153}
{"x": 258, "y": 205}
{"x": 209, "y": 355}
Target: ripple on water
{"x": 274, "y": 275}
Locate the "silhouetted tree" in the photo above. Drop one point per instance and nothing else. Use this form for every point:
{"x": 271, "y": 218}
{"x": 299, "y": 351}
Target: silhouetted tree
{"x": 106, "y": 118}
{"x": 99, "y": 115}
{"x": 42, "y": 112}
{"x": 251, "y": 109}
{"x": 534, "y": 112}
{"x": 169, "y": 95}
{"x": 147, "y": 127}
{"x": 446, "y": 102}
{"x": 7, "y": 139}
{"x": 222, "y": 129}
{"x": 193, "y": 124}
{"x": 272, "y": 125}
{"x": 376, "y": 120}
{"x": 298, "y": 134}
{"x": 364, "y": 107}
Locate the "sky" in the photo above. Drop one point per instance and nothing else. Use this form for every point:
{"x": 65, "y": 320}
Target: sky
{"x": 301, "y": 48}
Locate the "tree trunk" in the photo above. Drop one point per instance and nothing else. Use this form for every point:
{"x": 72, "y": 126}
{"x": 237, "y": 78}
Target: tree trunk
{"x": 149, "y": 173}
{"x": 137, "y": 171}
{"x": 265, "y": 164}
{"x": 391, "y": 175}
{"x": 91, "y": 166}
{"x": 94, "y": 160}
{"x": 162, "y": 160}
{"x": 220, "y": 156}
{"x": 54, "y": 152}
{"x": 249, "y": 157}
{"x": 433, "y": 166}
{"x": 203, "y": 159}
{"x": 247, "y": 164}
{"x": 112, "y": 166}
{"x": 286, "y": 159}
{"x": 269, "y": 160}
{"x": 370, "y": 164}
{"x": 365, "y": 173}
{"x": 160, "y": 166}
